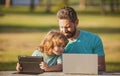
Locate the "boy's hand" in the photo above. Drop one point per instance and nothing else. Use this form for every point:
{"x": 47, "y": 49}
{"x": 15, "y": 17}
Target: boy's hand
{"x": 18, "y": 68}
{"x": 44, "y": 66}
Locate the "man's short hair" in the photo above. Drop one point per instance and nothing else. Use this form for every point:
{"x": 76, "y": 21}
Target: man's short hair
{"x": 67, "y": 13}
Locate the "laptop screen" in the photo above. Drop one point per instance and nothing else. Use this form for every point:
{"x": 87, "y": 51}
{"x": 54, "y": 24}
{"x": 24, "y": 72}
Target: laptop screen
{"x": 80, "y": 63}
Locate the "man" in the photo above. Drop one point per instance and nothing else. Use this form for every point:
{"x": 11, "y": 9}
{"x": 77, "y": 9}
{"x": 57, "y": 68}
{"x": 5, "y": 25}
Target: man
{"x": 80, "y": 41}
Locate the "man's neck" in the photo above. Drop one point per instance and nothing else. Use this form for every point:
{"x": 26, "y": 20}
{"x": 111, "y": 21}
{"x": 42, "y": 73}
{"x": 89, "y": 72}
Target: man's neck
{"x": 75, "y": 36}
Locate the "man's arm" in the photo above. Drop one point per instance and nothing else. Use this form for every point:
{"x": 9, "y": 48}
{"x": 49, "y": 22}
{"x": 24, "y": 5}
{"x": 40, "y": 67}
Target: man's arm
{"x": 101, "y": 63}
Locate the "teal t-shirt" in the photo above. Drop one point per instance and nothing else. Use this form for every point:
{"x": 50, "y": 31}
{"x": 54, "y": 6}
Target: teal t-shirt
{"x": 50, "y": 60}
{"x": 86, "y": 43}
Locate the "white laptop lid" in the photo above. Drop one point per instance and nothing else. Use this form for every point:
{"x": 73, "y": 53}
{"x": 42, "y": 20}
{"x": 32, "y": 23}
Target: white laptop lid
{"x": 80, "y": 63}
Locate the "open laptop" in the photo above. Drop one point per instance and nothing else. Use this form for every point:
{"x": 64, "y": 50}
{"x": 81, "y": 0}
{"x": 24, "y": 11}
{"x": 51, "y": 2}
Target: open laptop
{"x": 84, "y": 64}
{"x": 30, "y": 64}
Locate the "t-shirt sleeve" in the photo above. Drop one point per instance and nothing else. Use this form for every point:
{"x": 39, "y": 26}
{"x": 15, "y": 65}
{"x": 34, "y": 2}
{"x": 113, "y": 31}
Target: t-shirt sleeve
{"x": 59, "y": 60}
{"x": 37, "y": 53}
{"x": 99, "y": 47}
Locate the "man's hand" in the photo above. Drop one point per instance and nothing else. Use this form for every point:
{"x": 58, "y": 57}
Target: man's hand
{"x": 101, "y": 63}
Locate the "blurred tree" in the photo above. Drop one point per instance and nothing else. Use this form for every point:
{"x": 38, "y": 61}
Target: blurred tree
{"x": 7, "y": 3}
{"x": 117, "y": 5}
{"x": 103, "y": 10}
{"x": 61, "y": 3}
{"x": 40, "y": 2}
{"x": 91, "y": 2}
{"x": 114, "y": 5}
{"x": 82, "y": 4}
{"x": 48, "y": 6}
{"x": 32, "y": 5}
{"x": 65, "y": 2}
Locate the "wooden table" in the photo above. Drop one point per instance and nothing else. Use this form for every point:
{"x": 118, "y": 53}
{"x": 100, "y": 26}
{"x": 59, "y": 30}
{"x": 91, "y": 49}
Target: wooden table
{"x": 14, "y": 73}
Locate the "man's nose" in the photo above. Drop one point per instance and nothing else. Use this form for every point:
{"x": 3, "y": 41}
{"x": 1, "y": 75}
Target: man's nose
{"x": 65, "y": 30}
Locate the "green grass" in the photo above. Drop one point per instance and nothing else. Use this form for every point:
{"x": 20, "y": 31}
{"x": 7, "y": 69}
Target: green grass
{"x": 21, "y": 33}
{"x": 112, "y": 51}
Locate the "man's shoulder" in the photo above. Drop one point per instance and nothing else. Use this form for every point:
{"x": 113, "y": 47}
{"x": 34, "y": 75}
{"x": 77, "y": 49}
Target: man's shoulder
{"x": 91, "y": 37}
{"x": 88, "y": 34}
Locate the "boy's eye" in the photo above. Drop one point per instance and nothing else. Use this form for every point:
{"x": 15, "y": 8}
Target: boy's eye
{"x": 62, "y": 45}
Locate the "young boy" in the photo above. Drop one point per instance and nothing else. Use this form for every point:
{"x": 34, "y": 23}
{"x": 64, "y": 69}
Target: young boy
{"x": 51, "y": 49}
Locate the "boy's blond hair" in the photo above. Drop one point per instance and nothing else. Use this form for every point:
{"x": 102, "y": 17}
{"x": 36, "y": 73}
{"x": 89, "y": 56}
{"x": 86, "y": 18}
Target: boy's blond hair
{"x": 53, "y": 38}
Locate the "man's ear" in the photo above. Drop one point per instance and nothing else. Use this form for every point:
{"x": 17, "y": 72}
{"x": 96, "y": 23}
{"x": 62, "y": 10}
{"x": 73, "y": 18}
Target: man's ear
{"x": 76, "y": 22}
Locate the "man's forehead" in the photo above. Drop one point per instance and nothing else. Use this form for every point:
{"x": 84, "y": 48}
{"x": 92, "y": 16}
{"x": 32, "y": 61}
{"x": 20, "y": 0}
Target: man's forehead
{"x": 64, "y": 22}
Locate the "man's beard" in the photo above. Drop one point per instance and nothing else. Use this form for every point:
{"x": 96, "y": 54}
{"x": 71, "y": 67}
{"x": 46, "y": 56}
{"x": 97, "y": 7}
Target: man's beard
{"x": 70, "y": 34}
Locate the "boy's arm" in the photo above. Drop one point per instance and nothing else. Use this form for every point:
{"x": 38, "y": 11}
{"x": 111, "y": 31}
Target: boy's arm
{"x": 57, "y": 67}
{"x": 18, "y": 68}
{"x": 54, "y": 68}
